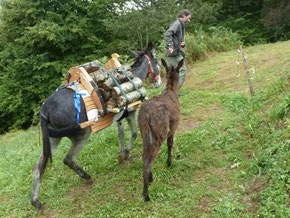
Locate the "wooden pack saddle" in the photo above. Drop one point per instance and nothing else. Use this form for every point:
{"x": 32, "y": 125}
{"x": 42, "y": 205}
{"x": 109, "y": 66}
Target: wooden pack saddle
{"x": 81, "y": 75}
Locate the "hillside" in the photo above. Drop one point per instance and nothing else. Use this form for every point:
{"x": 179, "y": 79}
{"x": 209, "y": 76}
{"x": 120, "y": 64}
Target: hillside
{"x": 231, "y": 154}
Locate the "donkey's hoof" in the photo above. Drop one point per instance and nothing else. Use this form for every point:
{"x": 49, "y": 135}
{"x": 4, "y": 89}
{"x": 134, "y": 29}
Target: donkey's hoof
{"x": 123, "y": 157}
{"x": 89, "y": 181}
{"x": 84, "y": 175}
{"x": 37, "y": 205}
{"x": 146, "y": 198}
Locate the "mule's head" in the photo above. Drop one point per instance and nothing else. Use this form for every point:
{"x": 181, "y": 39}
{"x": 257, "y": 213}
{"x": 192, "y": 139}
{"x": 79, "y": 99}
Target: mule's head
{"x": 172, "y": 75}
{"x": 146, "y": 65}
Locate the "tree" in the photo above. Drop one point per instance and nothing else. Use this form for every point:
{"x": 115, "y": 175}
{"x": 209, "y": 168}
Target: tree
{"x": 243, "y": 17}
{"x": 276, "y": 19}
{"x": 40, "y": 40}
{"x": 140, "y": 22}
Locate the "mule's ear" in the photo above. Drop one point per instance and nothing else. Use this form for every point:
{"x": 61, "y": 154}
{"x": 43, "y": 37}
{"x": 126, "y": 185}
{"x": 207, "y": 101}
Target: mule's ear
{"x": 180, "y": 64}
{"x": 164, "y": 64}
{"x": 150, "y": 46}
{"x": 136, "y": 53}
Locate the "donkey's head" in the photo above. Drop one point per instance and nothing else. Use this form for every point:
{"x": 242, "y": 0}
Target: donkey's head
{"x": 172, "y": 75}
{"x": 147, "y": 65}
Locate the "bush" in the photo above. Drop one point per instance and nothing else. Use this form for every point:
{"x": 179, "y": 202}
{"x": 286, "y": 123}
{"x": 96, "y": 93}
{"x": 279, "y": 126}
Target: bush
{"x": 215, "y": 39}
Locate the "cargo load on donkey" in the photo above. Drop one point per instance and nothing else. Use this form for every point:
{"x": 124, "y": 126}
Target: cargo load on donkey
{"x": 108, "y": 91}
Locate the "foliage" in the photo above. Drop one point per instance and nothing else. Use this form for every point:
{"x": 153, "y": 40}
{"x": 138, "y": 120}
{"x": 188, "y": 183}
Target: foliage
{"x": 40, "y": 41}
{"x": 243, "y": 17}
{"x": 204, "y": 13}
{"x": 230, "y": 159}
{"x": 145, "y": 21}
{"x": 255, "y": 21}
{"x": 217, "y": 39}
{"x": 276, "y": 19}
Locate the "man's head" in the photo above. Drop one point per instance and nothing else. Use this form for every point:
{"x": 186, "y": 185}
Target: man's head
{"x": 185, "y": 15}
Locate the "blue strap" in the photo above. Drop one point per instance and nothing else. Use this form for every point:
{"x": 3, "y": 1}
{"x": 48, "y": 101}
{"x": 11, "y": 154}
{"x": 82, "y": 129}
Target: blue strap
{"x": 77, "y": 102}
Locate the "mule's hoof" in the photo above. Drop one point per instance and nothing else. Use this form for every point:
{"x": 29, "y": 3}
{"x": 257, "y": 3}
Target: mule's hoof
{"x": 123, "y": 157}
{"x": 128, "y": 157}
{"x": 37, "y": 205}
{"x": 89, "y": 181}
{"x": 87, "y": 177}
{"x": 146, "y": 198}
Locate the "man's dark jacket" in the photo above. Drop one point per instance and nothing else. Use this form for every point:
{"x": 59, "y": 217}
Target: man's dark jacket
{"x": 173, "y": 38}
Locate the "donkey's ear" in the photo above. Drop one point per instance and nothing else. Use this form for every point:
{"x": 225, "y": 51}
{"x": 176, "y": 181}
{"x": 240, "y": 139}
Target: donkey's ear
{"x": 136, "y": 53}
{"x": 150, "y": 46}
{"x": 164, "y": 64}
{"x": 180, "y": 64}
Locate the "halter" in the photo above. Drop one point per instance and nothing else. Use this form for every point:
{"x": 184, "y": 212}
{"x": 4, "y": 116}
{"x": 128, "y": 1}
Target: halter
{"x": 150, "y": 69}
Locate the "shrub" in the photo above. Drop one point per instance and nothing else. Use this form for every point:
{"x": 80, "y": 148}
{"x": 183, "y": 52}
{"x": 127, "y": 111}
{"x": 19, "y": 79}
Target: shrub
{"x": 215, "y": 39}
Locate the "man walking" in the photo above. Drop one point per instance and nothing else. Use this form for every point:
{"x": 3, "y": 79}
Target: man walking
{"x": 174, "y": 40}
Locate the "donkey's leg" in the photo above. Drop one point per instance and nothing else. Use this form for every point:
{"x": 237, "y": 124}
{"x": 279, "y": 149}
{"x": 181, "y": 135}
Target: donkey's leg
{"x": 70, "y": 160}
{"x": 149, "y": 153}
{"x": 131, "y": 119}
{"x": 38, "y": 173}
{"x": 147, "y": 174}
{"x": 169, "y": 145}
{"x": 121, "y": 135}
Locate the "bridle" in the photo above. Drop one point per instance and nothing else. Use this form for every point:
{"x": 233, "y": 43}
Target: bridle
{"x": 150, "y": 69}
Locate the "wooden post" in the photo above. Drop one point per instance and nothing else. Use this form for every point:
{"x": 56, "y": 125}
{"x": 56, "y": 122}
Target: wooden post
{"x": 247, "y": 71}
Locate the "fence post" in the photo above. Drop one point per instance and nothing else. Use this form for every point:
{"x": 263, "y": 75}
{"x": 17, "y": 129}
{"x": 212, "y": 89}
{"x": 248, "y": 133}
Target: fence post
{"x": 247, "y": 71}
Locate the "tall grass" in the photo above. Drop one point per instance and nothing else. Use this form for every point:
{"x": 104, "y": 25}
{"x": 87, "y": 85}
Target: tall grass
{"x": 216, "y": 39}
{"x": 201, "y": 43}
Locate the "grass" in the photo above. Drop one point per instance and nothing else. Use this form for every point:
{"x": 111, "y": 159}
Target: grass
{"x": 231, "y": 154}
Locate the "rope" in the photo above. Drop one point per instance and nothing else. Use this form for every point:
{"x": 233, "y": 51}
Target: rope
{"x": 138, "y": 90}
{"x": 116, "y": 82}
{"x": 94, "y": 64}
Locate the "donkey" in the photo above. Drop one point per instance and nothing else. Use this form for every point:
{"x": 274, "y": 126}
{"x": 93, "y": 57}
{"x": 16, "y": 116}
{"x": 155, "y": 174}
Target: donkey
{"x": 57, "y": 120}
{"x": 156, "y": 127}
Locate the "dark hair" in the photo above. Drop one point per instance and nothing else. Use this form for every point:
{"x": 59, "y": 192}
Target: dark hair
{"x": 185, "y": 12}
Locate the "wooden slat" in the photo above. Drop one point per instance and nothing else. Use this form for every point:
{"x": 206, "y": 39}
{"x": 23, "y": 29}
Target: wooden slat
{"x": 117, "y": 110}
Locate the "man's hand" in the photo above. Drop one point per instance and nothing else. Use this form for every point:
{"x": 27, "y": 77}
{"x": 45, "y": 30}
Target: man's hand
{"x": 170, "y": 50}
{"x": 182, "y": 44}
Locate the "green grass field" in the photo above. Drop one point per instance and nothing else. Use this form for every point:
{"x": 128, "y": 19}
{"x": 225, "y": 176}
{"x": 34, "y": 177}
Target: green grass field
{"x": 231, "y": 154}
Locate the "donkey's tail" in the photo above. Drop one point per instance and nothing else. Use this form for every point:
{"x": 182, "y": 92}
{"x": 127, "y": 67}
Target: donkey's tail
{"x": 46, "y": 143}
{"x": 147, "y": 139}
{"x": 54, "y": 133}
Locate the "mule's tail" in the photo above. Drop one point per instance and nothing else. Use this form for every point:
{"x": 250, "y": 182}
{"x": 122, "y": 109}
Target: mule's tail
{"x": 46, "y": 143}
